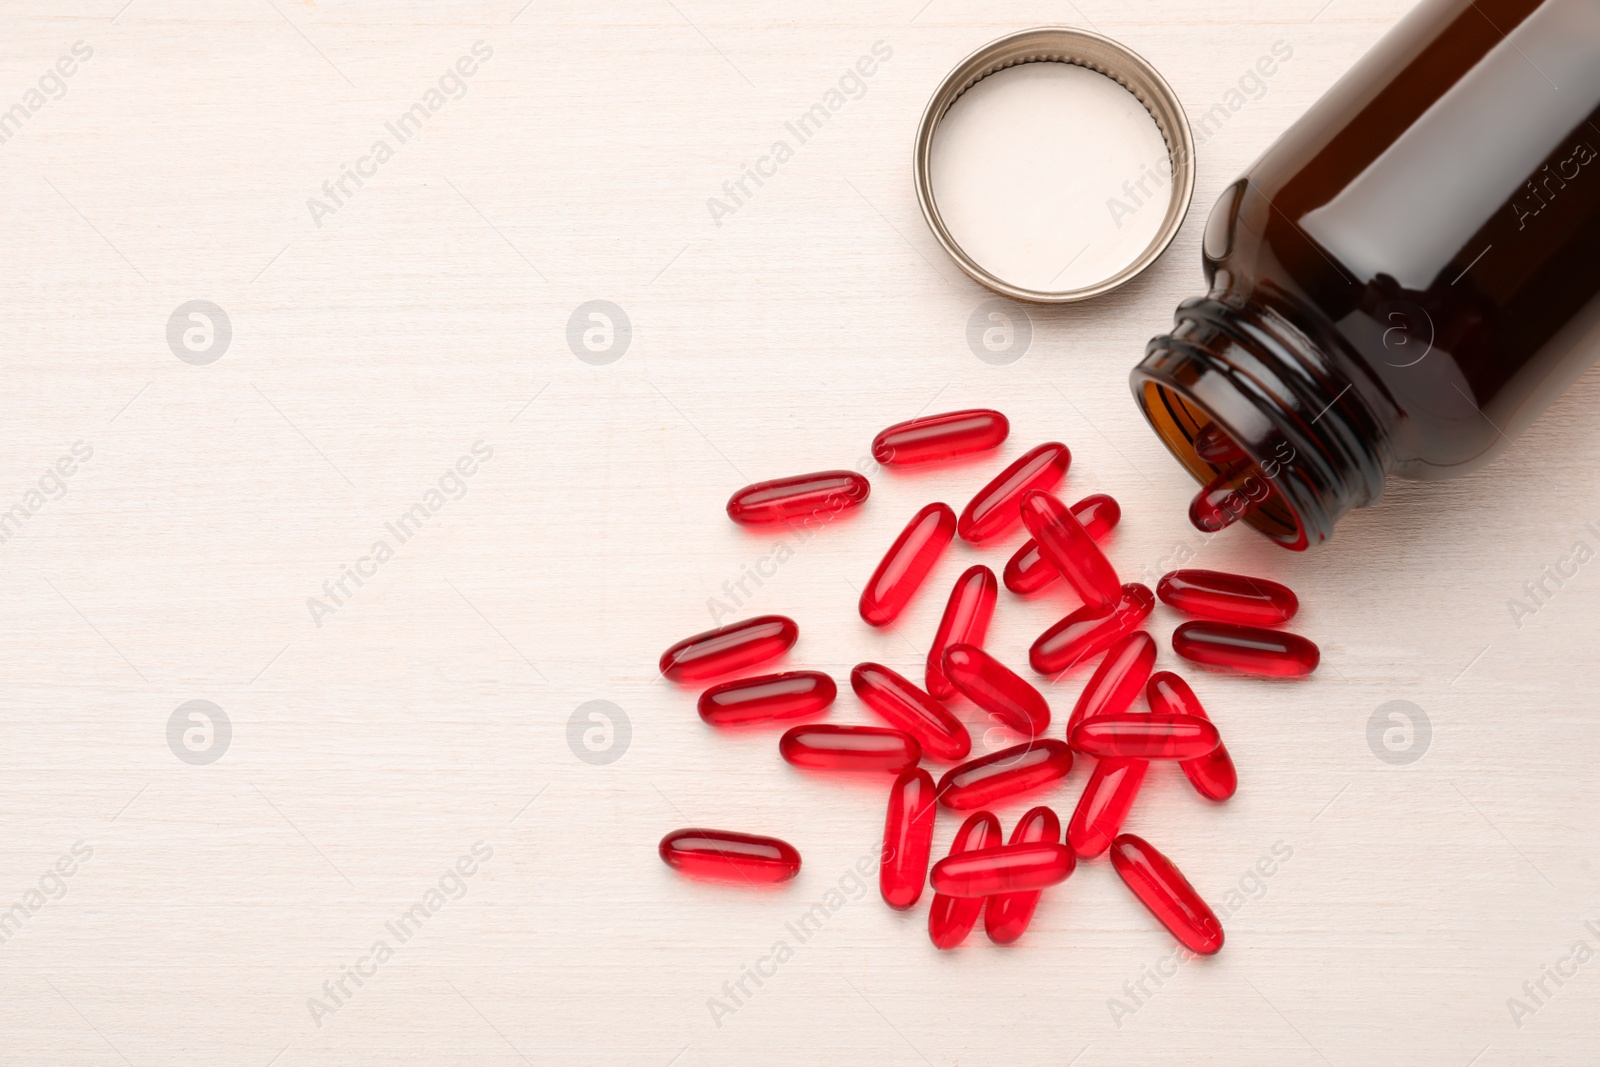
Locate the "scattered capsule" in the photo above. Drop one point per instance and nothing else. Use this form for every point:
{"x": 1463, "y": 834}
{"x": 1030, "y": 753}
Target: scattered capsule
{"x": 997, "y": 689}
{"x": 729, "y": 648}
{"x": 1228, "y": 597}
{"x": 1068, "y": 548}
{"x": 907, "y": 838}
{"x": 1088, "y": 631}
{"x": 1007, "y": 915}
{"x": 849, "y": 748}
{"x": 1163, "y": 889}
{"x": 1145, "y": 735}
{"x": 934, "y": 438}
{"x": 950, "y": 919}
{"x": 1004, "y": 774}
{"x": 729, "y": 856}
{"x": 1005, "y": 869}
{"x": 905, "y": 707}
{"x": 1107, "y": 798}
{"x": 767, "y": 698}
{"x": 1246, "y": 649}
{"x": 907, "y": 563}
{"x": 825, "y": 493}
{"x": 1119, "y": 679}
{"x": 1028, "y": 572}
{"x": 994, "y": 510}
{"x": 1213, "y": 445}
{"x": 965, "y": 622}
{"x": 1213, "y": 775}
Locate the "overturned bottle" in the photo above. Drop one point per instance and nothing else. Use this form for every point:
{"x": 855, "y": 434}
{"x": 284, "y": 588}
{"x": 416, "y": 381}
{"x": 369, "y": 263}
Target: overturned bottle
{"x": 1403, "y": 281}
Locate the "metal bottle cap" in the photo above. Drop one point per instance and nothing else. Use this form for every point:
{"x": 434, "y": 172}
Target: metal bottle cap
{"x": 1061, "y": 44}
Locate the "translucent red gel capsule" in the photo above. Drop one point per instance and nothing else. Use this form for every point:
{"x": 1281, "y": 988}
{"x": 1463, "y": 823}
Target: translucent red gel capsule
{"x": 1005, "y": 869}
{"x": 905, "y": 707}
{"x": 1141, "y": 735}
{"x": 965, "y": 622}
{"x": 997, "y": 689}
{"x": 1221, "y": 502}
{"x": 767, "y": 698}
{"x": 1163, "y": 889}
{"x": 1028, "y": 572}
{"x": 1067, "y": 546}
{"x": 1246, "y": 649}
{"x": 825, "y": 494}
{"x": 1228, "y": 597}
{"x": 951, "y": 919}
{"x": 907, "y": 838}
{"x": 849, "y": 748}
{"x": 1007, "y": 915}
{"x": 1004, "y": 774}
{"x": 1119, "y": 679}
{"x": 1213, "y": 775}
{"x": 729, "y": 648}
{"x": 1214, "y": 446}
{"x": 1104, "y": 805}
{"x": 994, "y": 510}
{"x": 907, "y": 563}
{"x": 933, "y": 438}
{"x": 1088, "y": 631}
{"x": 728, "y": 856}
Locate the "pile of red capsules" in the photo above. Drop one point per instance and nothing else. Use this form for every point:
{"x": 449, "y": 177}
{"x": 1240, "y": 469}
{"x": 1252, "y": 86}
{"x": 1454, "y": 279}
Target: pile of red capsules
{"x": 1233, "y": 631}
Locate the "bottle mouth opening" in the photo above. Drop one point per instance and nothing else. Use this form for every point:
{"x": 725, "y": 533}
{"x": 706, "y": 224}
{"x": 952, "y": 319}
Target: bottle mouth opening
{"x": 1178, "y": 420}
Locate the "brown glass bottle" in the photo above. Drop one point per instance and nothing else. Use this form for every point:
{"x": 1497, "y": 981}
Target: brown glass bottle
{"x": 1407, "y": 277}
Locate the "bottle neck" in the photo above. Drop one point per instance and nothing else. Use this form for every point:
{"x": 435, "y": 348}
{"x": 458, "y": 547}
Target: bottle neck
{"x": 1283, "y": 400}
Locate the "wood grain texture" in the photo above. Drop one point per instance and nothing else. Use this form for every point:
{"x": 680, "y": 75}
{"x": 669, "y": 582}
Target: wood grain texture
{"x": 430, "y": 711}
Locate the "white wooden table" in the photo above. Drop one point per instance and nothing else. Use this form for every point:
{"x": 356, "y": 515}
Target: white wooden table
{"x": 372, "y": 744}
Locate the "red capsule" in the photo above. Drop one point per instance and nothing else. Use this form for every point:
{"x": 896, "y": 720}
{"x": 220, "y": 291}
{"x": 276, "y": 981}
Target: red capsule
{"x": 933, "y": 438}
{"x": 1221, "y": 502}
{"x": 1246, "y": 649}
{"x": 1088, "y": 631}
{"x": 767, "y": 698}
{"x": 994, "y": 510}
{"x": 1144, "y": 735}
{"x": 1213, "y": 775}
{"x": 1007, "y": 915}
{"x": 1163, "y": 889}
{"x": 1003, "y": 774}
{"x": 965, "y": 622}
{"x": 1006, "y": 869}
{"x": 997, "y": 689}
{"x": 1213, "y": 445}
{"x": 951, "y": 919}
{"x": 907, "y": 563}
{"x": 729, "y": 648}
{"x": 849, "y": 748}
{"x": 728, "y": 856}
{"x": 1104, "y": 805}
{"x": 1228, "y": 597}
{"x": 905, "y": 707}
{"x": 907, "y": 838}
{"x": 1067, "y": 547}
{"x": 1117, "y": 682}
{"x": 1027, "y": 572}
{"x": 823, "y": 495}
